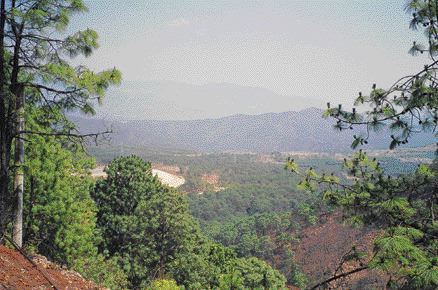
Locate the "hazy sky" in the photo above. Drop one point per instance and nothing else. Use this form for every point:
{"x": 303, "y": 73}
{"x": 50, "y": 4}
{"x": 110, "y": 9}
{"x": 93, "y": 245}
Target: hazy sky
{"x": 323, "y": 49}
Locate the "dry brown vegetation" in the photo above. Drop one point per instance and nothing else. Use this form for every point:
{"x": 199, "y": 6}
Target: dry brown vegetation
{"x": 322, "y": 248}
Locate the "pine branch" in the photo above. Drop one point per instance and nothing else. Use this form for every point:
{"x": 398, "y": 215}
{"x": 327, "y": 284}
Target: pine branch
{"x": 62, "y": 134}
{"x": 53, "y": 90}
{"x": 339, "y": 276}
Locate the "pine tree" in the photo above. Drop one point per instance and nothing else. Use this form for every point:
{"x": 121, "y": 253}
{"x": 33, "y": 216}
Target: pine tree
{"x": 59, "y": 213}
{"x": 147, "y": 227}
{"x": 144, "y": 224}
{"x": 402, "y": 207}
{"x": 34, "y": 71}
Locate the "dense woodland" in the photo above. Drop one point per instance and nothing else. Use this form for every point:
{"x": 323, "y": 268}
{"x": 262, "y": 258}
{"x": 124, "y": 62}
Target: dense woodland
{"x": 258, "y": 209}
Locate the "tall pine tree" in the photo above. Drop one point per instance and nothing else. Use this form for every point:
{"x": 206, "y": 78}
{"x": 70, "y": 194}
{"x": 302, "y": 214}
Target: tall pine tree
{"x": 35, "y": 71}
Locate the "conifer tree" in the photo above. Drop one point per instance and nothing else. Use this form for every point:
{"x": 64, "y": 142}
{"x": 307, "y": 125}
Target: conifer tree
{"x": 59, "y": 218}
{"x": 144, "y": 224}
{"x": 402, "y": 207}
{"x": 35, "y": 71}
{"x": 147, "y": 227}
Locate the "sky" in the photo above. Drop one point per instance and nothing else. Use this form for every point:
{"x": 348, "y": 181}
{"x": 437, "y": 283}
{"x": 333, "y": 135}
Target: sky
{"x": 328, "y": 50}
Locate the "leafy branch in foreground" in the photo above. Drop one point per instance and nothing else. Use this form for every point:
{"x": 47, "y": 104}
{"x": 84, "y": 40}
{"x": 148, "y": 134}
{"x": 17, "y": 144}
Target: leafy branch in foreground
{"x": 403, "y": 207}
{"x": 410, "y": 105}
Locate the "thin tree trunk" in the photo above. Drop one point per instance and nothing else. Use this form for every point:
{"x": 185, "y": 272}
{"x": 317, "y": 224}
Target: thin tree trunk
{"x": 17, "y": 90}
{"x": 4, "y": 193}
{"x": 19, "y": 173}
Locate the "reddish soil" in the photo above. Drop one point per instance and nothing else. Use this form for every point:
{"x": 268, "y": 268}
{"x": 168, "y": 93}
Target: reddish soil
{"x": 211, "y": 178}
{"x": 17, "y": 272}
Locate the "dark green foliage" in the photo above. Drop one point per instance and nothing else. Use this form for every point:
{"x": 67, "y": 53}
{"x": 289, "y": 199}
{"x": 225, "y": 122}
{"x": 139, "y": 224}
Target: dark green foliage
{"x": 203, "y": 264}
{"x": 148, "y": 229}
{"x": 34, "y": 61}
{"x": 59, "y": 212}
{"x": 253, "y": 214}
{"x": 251, "y": 273}
{"x": 125, "y": 228}
{"x": 270, "y": 237}
{"x": 257, "y": 194}
{"x": 60, "y": 220}
{"x": 102, "y": 270}
{"x": 217, "y": 267}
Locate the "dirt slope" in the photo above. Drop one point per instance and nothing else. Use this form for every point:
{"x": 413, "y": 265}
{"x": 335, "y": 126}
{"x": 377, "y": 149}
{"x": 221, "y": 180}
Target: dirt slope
{"x": 17, "y": 272}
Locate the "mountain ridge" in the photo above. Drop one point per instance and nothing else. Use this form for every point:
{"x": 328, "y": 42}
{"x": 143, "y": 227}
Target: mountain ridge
{"x": 169, "y": 100}
{"x": 303, "y": 130}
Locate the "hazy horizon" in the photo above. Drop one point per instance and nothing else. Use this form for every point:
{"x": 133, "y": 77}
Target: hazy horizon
{"x": 321, "y": 50}
{"x": 173, "y": 100}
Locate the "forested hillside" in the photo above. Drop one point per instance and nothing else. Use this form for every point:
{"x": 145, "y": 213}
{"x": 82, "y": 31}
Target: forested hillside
{"x": 305, "y": 130}
{"x": 254, "y": 206}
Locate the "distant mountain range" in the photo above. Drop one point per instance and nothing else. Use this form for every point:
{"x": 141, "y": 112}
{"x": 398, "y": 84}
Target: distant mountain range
{"x": 305, "y": 130}
{"x": 168, "y": 100}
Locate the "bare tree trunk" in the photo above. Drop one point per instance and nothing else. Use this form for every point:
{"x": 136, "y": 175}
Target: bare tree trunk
{"x": 4, "y": 179}
{"x": 17, "y": 232}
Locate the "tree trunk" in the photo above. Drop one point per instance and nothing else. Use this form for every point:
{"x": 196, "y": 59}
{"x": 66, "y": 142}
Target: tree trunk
{"x": 17, "y": 232}
{"x": 4, "y": 178}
